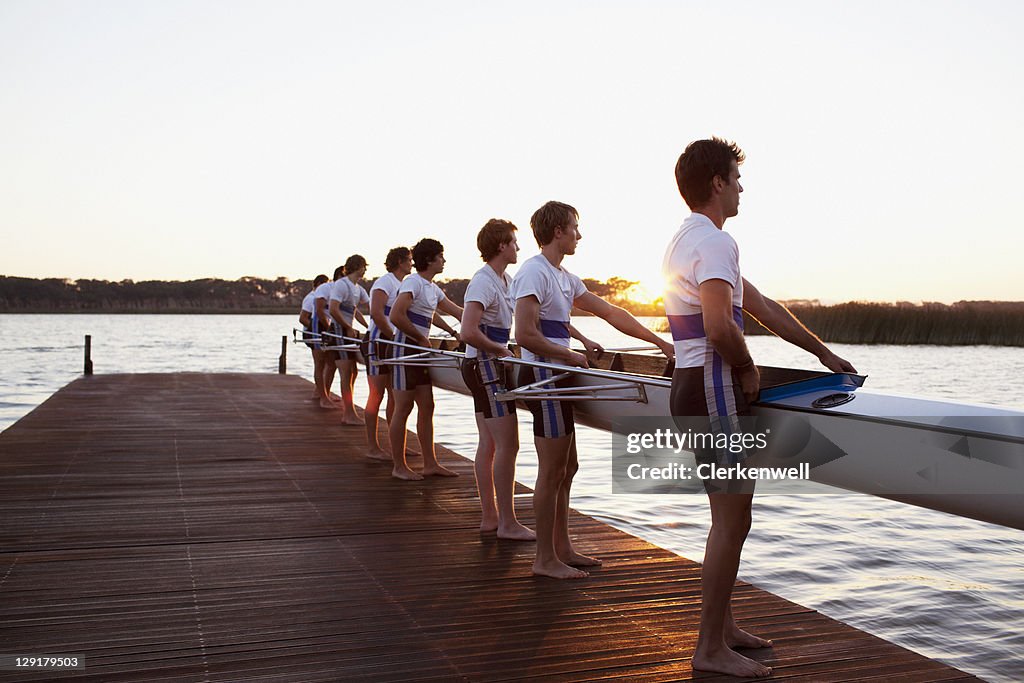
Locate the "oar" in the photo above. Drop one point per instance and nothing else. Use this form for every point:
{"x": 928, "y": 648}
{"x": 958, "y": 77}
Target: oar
{"x": 591, "y": 372}
{"x": 631, "y": 349}
{"x": 429, "y": 349}
{"x": 298, "y": 336}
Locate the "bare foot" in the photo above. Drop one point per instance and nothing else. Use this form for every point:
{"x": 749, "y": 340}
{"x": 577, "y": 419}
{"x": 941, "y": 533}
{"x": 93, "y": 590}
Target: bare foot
{"x": 558, "y": 570}
{"x": 438, "y": 471}
{"x": 732, "y": 663}
{"x": 516, "y": 532}
{"x": 378, "y": 454}
{"x": 335, "y": 398}
{"x": 327, "y": 405}
{"x": 412, "y": 454}
{"x": 737, "y": 637}
{"x": 577, "y": 560}
{"x": 489, "y": 521}
{"x": 406, "y": 474}
{"x": 353, "y": 422}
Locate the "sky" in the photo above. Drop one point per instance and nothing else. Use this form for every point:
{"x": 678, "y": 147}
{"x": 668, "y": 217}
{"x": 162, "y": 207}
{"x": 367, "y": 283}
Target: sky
{"x": 172, "y": 139}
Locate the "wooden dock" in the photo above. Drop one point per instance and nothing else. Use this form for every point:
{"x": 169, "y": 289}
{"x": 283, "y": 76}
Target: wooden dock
{"x": 200, "y": 527}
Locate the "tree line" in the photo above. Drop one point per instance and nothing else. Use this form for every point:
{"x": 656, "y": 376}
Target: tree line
{"x": 207, "y": 295}
{"x": 999, "y": 323}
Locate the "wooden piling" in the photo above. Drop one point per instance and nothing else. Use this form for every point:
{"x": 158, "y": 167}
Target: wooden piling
{"x": 282, "y": 360}
{"x": 88, "y": 354}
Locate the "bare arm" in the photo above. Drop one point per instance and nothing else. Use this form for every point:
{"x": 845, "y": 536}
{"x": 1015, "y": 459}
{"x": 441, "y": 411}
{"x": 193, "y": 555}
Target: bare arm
{"x": 335, "y": 311}
{"x": 359, "y": 316}
{"x": 400, "y": 319}
{"x": 448, "y": 306}
{"x": 321, "y": 313}
{"x": 622, "y": 320}
{"x": 779, "y": 320}
{"x": 305, "y": 319}
{"x": 725, "y": 336}
{"x": 377, "y": 303}
{"x": 593, "y": 349}
{"x": 529, "y": 336}
{"x": 474, "y": 336}
{"x": 451, "y": 308}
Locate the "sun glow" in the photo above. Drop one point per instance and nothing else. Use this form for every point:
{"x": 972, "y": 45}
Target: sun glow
{"x": 646, "y": 291}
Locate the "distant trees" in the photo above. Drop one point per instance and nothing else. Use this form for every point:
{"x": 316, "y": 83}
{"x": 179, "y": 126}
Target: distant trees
{"x": 998, "y": 323}
{"x": 248, "y": 294}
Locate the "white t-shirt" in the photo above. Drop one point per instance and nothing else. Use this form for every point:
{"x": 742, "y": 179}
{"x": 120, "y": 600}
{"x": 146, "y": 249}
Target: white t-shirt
{"x": 348, "y": 295}
{"x": 555, "y": 289}
{"x": 493, "y": 293}
{"x": 309, "y": 302}
{"x": 323, "y": 292}
{"x": 389, "y": 284}
{"x": 425, "y": 297}
{"x": 698, "y": 252}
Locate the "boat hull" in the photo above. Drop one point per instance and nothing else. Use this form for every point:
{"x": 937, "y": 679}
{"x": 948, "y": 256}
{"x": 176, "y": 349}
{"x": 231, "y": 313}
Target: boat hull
{"x": 963, "y": 459}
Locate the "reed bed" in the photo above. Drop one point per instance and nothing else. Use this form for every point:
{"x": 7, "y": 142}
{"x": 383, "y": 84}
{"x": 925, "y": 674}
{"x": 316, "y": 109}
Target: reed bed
{"x": 965, "y": 323}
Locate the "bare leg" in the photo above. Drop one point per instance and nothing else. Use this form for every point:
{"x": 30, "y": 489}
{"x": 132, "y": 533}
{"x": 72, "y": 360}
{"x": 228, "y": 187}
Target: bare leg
{"x": 425, "y": 433}
{"x": 323, "y": 378}
{"x": 378, "y": 386}
{"x": 563, "y": 544}
{"x": 483, "y": 467}
{"x": 390, "y": 414}
{"x": 318, "y": 377}
{"x": 730, "y": 522}
{"x": 347, "y": 370}
{"x": 396, "y": 435}
{"x": 553, "y": 459}
{"x": 505, "y": 435}
{"x": 389, "y": 411}
{"x": 330, "y": 359}
{"x": 736, "y": 637}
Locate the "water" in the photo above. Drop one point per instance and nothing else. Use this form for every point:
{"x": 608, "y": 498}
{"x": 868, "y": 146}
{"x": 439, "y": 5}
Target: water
{"x": 947, "y": 587}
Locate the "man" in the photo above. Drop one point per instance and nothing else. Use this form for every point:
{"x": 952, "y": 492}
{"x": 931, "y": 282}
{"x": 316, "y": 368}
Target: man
{"x": 383, "y": 293}
{"x": 544, "y": 294}
{"x": 715, "y": 374}
{"x": 416, "y": 306}
{"x": 486, "y": 327}
{"x": 346, "y": 298}
{"x": 321, "y": 324}
{"x": 306, "y": 320}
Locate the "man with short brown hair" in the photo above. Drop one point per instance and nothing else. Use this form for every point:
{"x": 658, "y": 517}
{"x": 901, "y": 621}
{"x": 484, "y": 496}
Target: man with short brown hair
{"x": 715, "y": 375}
{"x": 544, "y": 294}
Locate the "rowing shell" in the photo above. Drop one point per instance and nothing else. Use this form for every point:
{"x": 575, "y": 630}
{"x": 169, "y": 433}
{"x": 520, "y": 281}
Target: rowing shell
{"x": 959, "y": 458}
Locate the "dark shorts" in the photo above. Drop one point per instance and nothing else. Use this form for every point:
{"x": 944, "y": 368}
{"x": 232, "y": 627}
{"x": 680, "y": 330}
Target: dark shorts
{"x": 409, "y": 377}
{"x": 375, "y": 352}
{"x": 486, "y": 378}
{"x": 551, "y": 419}
{"x": 315, "y": 332}
{"x": 307, "y": 335}
{"x": 714, "y": 394}
{"x": 337, "y": 341}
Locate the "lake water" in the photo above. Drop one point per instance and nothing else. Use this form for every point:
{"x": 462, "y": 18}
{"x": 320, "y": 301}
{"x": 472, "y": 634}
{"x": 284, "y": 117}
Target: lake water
{"x": 947, "y": 587}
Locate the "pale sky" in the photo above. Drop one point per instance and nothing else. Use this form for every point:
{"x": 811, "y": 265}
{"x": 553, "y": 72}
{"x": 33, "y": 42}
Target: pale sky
{"x": 177, "y": 140}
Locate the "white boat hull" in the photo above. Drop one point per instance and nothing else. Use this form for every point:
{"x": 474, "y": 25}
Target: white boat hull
{"x": 967, "y": 460}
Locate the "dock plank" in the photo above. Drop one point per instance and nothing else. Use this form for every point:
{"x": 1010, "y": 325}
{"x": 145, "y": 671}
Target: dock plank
{"x": 200, "y": 527}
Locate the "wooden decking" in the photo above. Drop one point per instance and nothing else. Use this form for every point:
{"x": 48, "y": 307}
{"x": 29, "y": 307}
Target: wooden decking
{"x": 194, "y": 527}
